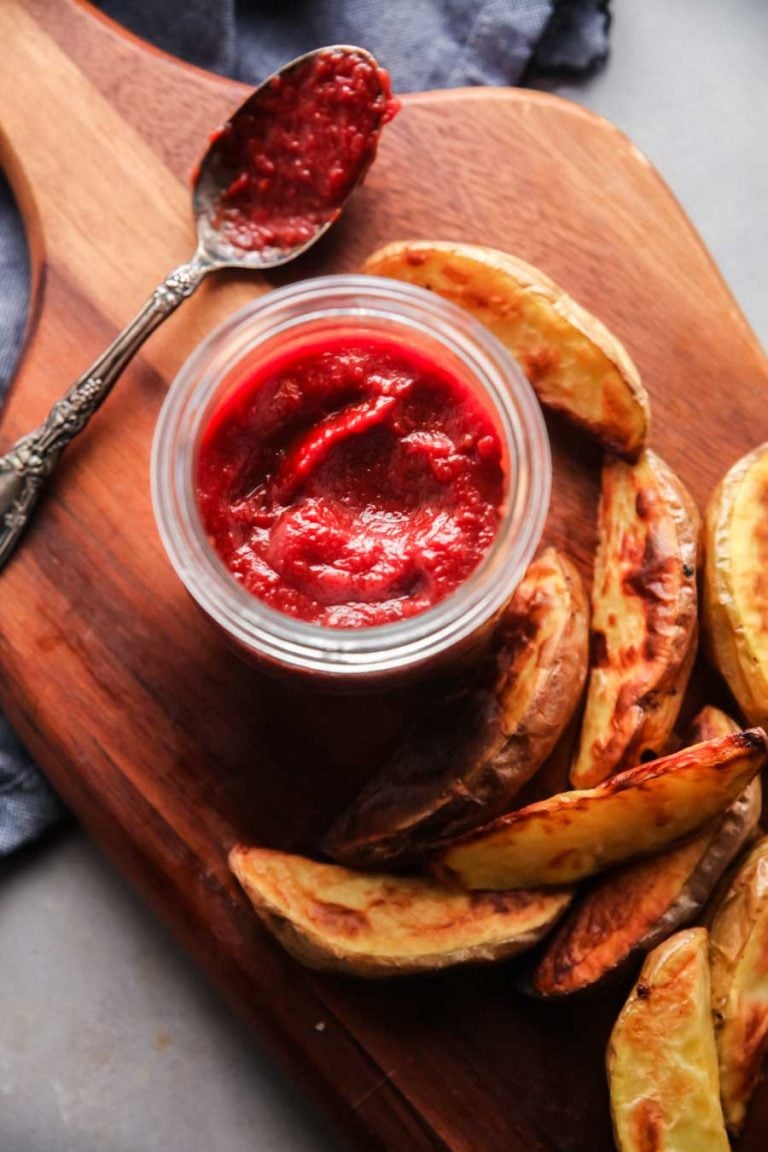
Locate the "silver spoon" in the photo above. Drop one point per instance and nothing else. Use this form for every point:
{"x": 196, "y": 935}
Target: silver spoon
{"x": 26, "y": 467}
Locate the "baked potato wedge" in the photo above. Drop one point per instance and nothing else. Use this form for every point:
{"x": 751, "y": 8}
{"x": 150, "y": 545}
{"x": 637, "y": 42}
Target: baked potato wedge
{"x": 662, "y": 1063}
{"x": 378, "y": 925}
{"x": 739, "y": 962}
{"x": 644, "y": 617}
{"x": 635, "y": 813}
{"x": 475, "y": 752}
{"x": 632, "y": 908}
{"x": 736, "y": 582}
{"x": 572, "y": 361}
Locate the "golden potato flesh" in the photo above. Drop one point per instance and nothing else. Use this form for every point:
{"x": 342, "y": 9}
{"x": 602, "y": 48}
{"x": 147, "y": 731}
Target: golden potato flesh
{"x": 635, "y": 813}
{"x": 386, "y": 925}
{"x": 470, "y": 757}
{"x": 644, "y": 622}
{"x": 736, "y": 582}
{"x": 739, "y": 959}
{"x": 662, "y": 1063}
{"x": 572, "y": 361}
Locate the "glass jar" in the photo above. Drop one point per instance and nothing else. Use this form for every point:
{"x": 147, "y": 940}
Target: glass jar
{"x": 374, "y": 657}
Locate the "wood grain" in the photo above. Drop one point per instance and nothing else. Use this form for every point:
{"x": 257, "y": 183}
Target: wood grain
{"x": 166, "y": 746}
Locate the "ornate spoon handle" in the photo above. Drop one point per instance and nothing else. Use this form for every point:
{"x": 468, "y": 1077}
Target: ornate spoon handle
{"x": 26, "y": 467}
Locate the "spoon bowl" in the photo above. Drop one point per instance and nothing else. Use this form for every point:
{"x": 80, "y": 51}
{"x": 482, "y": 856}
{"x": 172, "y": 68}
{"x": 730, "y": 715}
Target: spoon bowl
{"x": 221, "y": 168}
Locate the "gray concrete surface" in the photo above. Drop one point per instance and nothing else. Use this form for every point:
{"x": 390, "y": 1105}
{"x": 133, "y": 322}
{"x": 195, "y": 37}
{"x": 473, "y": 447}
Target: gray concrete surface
{"x": 688, "y": 82}
{"x": 109, "y": 1041}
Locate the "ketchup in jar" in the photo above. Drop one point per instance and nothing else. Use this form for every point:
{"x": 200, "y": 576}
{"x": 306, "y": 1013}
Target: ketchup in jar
{"x": 351, "y": 481}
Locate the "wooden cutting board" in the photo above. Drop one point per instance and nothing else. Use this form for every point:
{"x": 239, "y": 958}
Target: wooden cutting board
{"x": 167, "y": 747}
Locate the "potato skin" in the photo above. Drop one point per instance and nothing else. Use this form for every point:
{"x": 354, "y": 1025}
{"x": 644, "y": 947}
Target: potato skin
{"x": 633, "y": 907}
{"x": 479, "y": 749}
{"x": 661, "y": 1060}
{"x": 633, "y": 814}
{"x": 572, "y": 361}
{"x": 375, "y": 925}
{"x": 739, "y": 962}
{"x": 644, "y": 617}
{"x": 735, "y": 583}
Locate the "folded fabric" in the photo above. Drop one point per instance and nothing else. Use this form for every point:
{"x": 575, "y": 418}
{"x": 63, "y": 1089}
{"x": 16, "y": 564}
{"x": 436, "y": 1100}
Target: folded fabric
{"x": 424, "y": 44}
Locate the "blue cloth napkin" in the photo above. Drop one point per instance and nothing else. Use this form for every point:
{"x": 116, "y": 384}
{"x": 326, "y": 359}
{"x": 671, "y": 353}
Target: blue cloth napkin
{"x": 424, "y": 44}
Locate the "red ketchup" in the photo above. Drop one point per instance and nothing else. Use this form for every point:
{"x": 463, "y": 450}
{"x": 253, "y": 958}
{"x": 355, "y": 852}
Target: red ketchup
{"x": 295, "y": 158}
{"x": 351, "y": 481}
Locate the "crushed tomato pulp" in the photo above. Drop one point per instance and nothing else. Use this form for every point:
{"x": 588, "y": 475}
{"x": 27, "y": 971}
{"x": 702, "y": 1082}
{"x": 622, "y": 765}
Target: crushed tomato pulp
{"x": 294, "y": 155}
{"x": 351, "y": 481}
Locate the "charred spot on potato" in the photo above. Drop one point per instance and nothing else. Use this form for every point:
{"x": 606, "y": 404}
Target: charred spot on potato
{"x": 515, "y": 629}
{"x": 567, "y": 858}
{"x": 643, "y": 504}
{"x": 499, "y": 902}
{"x": 455, "y": 274}
{"x": 652, "y": 646}
{"x": 599, "y": 649}
{"x": 651, "y": 581}
{"x": 760, "y": 597}
{"x": 751, "y": 738}
{"x": 338, "y": 918}
{"x": 476, "y": 301}
{"x": 648, "y": 1128}
{"x": 539, "y": 363}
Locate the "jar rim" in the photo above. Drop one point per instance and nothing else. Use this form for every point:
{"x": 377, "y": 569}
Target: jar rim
{"x": 301, "y": 645}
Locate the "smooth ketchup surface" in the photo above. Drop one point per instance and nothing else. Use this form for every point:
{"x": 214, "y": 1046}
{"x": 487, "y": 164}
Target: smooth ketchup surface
{"x": 294, "y": 158}
{"x": 351, "y": 481}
